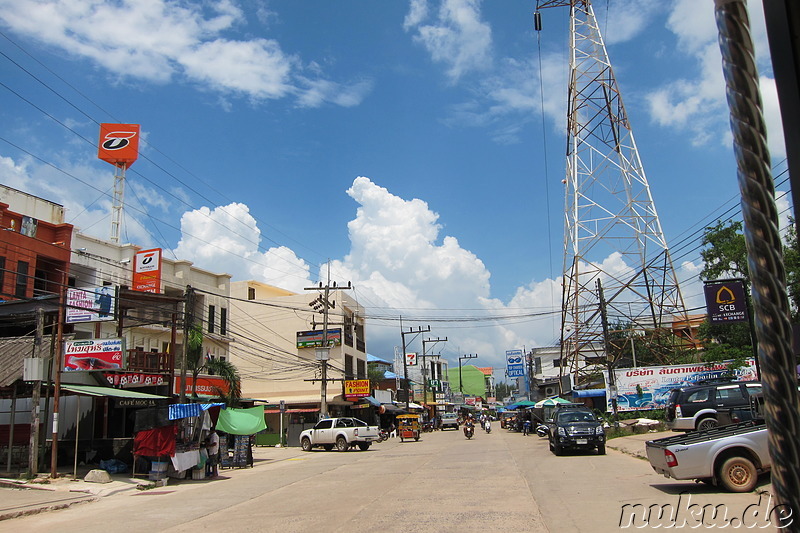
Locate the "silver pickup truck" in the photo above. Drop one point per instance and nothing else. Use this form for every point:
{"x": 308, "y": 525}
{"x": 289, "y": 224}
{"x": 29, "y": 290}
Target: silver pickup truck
{"x": 731, "y": 456}
{"x": 343, "y": 433}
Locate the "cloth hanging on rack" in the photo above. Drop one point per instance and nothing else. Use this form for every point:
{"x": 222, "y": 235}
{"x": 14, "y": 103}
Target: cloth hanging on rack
{"x": 155, "y": 442}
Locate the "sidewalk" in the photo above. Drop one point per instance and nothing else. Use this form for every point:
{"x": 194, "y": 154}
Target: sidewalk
{"x": 634, "y": 444}
{"x": 20, "y": 498}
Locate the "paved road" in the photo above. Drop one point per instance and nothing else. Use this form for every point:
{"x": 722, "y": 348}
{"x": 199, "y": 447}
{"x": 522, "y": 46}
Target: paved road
{"x": 501, "y": 482}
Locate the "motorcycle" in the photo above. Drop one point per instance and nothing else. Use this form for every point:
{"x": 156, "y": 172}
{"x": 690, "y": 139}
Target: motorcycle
{"x": 469, "y": 431}
{"x": 488, "y": 426}
{"x": 541, "y": 430}
{"x": 383, "y": 435}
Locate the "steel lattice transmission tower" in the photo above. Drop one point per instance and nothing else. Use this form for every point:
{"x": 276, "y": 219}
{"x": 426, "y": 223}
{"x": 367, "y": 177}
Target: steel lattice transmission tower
{"x": 612, "y": 230}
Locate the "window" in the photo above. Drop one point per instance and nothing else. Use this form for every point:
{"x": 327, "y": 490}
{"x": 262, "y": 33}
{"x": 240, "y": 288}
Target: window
{"x": 211, "y": 319}
{"x": 223, "y": 321}
{"x": 701, "y": 395}
{"x": 348, "y": 367}
{"x": 730, "y": 393}
{"x": 21, "y": 289}
{"x": 251, "y": 293}
{"x": 324, "y": 424}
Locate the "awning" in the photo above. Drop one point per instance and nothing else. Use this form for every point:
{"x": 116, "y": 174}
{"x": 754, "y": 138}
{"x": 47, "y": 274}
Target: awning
{"x": 242, "y": 421}
{"x": 412, "y": 405}
{"x": 392, "y": 409}
{"x": 276, "y": 411}
{"x": 90, "y": 390}
{"x": 589, "y": 393}
{"x": 372, "y": 401}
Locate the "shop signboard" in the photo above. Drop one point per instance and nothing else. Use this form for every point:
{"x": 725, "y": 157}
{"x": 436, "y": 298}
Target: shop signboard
{"x": 147, "y": 271}
{"x": 411, "y": 359}
{"x": 311, "y": 339}
{"x": 649, "y": 387}
{"x": 726, "y": 302}
{"x": 515, "y": 364}
{"x": 356, "y": 388}
{"x": 92, "y": 304}
{"x": 206, "y": 386}
{"x": 94, "y": 354}
{"x": 119, "y": 144}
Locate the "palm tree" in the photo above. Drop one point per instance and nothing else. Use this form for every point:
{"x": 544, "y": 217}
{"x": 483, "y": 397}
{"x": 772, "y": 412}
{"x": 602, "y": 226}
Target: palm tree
{"x": 197, "y": 362}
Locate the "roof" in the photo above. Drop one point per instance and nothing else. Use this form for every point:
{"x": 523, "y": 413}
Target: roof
{"x": 13, "y": 351}
{"x": 90, "y": 390}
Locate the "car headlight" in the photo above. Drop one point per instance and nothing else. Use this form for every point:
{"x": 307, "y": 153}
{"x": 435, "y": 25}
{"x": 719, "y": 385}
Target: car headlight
{"x": 562, "y": 432}
{"x": 599, "y": 430}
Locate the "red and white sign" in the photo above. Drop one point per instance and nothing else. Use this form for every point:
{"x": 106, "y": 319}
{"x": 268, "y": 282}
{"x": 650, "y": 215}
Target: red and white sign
{"x": 94, "y": 354}
{"x": 206, "y": 385}
{"x": 131, "y": 380}
{"x": 411, "y": 359}
{"x": 147, "y": 271}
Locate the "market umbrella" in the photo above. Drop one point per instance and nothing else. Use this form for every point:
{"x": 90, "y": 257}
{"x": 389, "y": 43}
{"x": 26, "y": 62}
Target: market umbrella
{"x": 525, "y": 403}
{"x": 550, "y": 402}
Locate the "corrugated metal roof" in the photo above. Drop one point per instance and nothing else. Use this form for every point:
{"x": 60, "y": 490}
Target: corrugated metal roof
{"x": 13, "y": 351}
{"x": 109, "y": 391}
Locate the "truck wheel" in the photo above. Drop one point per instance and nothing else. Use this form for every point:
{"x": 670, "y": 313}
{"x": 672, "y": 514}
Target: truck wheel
{"x": 738, "y": 474}
{"x": 707, "y": 423}
{"x": 306, "y": 444}
{"x": 601, "y": 449}
{"x": 341, "y": 444}
{"x": 363, "y": 446}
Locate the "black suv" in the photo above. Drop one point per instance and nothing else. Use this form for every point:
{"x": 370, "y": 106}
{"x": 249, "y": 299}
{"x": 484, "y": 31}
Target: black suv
{"x": 576, "y": 427}
{"x": 695, "y": 407}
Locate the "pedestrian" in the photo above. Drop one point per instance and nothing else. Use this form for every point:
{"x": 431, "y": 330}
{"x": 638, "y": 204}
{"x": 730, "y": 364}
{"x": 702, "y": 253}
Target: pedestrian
{"x": 212, "y": 449}
{"x": 526, "y": 427}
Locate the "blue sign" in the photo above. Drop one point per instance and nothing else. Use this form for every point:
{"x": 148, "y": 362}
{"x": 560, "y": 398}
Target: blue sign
{"x": 515, "y": 364}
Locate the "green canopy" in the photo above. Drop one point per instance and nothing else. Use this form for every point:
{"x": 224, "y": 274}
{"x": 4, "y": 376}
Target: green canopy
{"x": 241, "y": 421}
{"x": 551, "y": 401}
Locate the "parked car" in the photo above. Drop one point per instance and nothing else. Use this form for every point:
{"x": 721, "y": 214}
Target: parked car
{"x": 695, "y": 407}
{"x": 449, "y": 420}
{"x": 340, "y": 432}
{"x": 576, "y": 427}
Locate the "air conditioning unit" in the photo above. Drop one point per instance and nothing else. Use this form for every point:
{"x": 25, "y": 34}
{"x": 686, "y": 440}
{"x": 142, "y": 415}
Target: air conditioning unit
{"x": 550, "y": 391}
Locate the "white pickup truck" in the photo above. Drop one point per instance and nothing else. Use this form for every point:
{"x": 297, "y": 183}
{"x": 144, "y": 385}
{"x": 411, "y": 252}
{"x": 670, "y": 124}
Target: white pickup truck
{"x": 340, "y": 432}
{"x": 730, "y": 456}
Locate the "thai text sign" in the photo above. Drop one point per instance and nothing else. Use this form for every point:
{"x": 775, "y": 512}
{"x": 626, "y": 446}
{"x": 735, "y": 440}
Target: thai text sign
{"x": 649, "y": 387}
{"x": 94, "y": 354}
{"x": 356, "y": 388}
{"x": 310, "y": 339}
{"x": 131, "y": 380}
{"x": 515, "y": 364}
{"x": 147, "y": 271}
{"x": 94, "y": 304}
{"x": 726, "y": 302}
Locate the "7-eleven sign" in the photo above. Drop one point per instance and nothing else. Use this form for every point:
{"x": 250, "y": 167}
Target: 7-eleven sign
{"x": 411, "y": 359}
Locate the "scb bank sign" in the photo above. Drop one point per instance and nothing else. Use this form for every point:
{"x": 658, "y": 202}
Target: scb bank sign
{"x": 515, "y": 364}
{"x": 725, "y": 301}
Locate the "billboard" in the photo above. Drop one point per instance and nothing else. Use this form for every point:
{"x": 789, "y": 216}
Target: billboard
{"x": 411, "y": 359}
{"x": 147, "y": 271}
{"x": 119, "y": 144}
{"x": 92, "y": 304}
{"x": 206, "y": 386}
{"x": 648, "y": 387}
{"x": 515, "y": 364}
{"x": 356, "y": 388}
{"x": 312, "y": 339}
{"x": 726, "y": 302}
{"x": 94, "y": 354}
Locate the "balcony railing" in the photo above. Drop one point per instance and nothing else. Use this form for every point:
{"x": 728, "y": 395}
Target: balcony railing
{"x": 141, "y": 361}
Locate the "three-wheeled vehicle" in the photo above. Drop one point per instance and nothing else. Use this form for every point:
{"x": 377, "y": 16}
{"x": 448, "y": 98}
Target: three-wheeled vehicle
{"x": 408, "y": 427}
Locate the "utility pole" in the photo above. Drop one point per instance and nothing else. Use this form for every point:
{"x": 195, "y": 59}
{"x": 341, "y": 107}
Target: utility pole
{"x": 59, "y": 366}
{"x": 612, "y": 378}
{"x": 188, "y": 322}
{"x": 33, "y": 452}
{"x": 460, "y": 382}
{"x": 425, "y": 367}
{"x": 405, "y": 359}
{"x": 323, "y": 304}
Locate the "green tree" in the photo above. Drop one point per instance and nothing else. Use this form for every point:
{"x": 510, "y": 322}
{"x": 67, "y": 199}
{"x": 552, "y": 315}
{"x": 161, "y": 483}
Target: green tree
{"x": 791, "y": 260}
{"x": 725, "y": 256}
{"x": 196, "y": 362}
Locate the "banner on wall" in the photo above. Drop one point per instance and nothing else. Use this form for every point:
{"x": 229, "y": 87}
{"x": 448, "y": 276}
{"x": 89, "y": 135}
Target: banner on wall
{"x": 649, "y": 387}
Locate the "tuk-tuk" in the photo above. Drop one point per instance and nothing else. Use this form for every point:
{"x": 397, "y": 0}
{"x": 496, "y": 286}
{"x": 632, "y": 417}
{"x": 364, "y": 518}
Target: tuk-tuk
{"x": 408, "y": 427}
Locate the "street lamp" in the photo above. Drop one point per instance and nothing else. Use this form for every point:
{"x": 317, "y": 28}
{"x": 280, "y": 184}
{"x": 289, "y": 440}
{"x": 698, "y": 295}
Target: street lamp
{"x": 460, "y": 382}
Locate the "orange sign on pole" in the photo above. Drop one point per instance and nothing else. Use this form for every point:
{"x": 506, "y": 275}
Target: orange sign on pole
{"x": 119, "y": 144}
{"x": 147, "y": 271}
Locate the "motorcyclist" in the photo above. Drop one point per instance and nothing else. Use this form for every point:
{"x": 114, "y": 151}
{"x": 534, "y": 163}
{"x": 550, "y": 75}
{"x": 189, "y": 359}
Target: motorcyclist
{"x": 469, "y": 426}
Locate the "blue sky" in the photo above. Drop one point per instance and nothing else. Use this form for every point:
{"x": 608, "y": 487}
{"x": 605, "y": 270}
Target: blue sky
{"x": 418, "y": 146}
